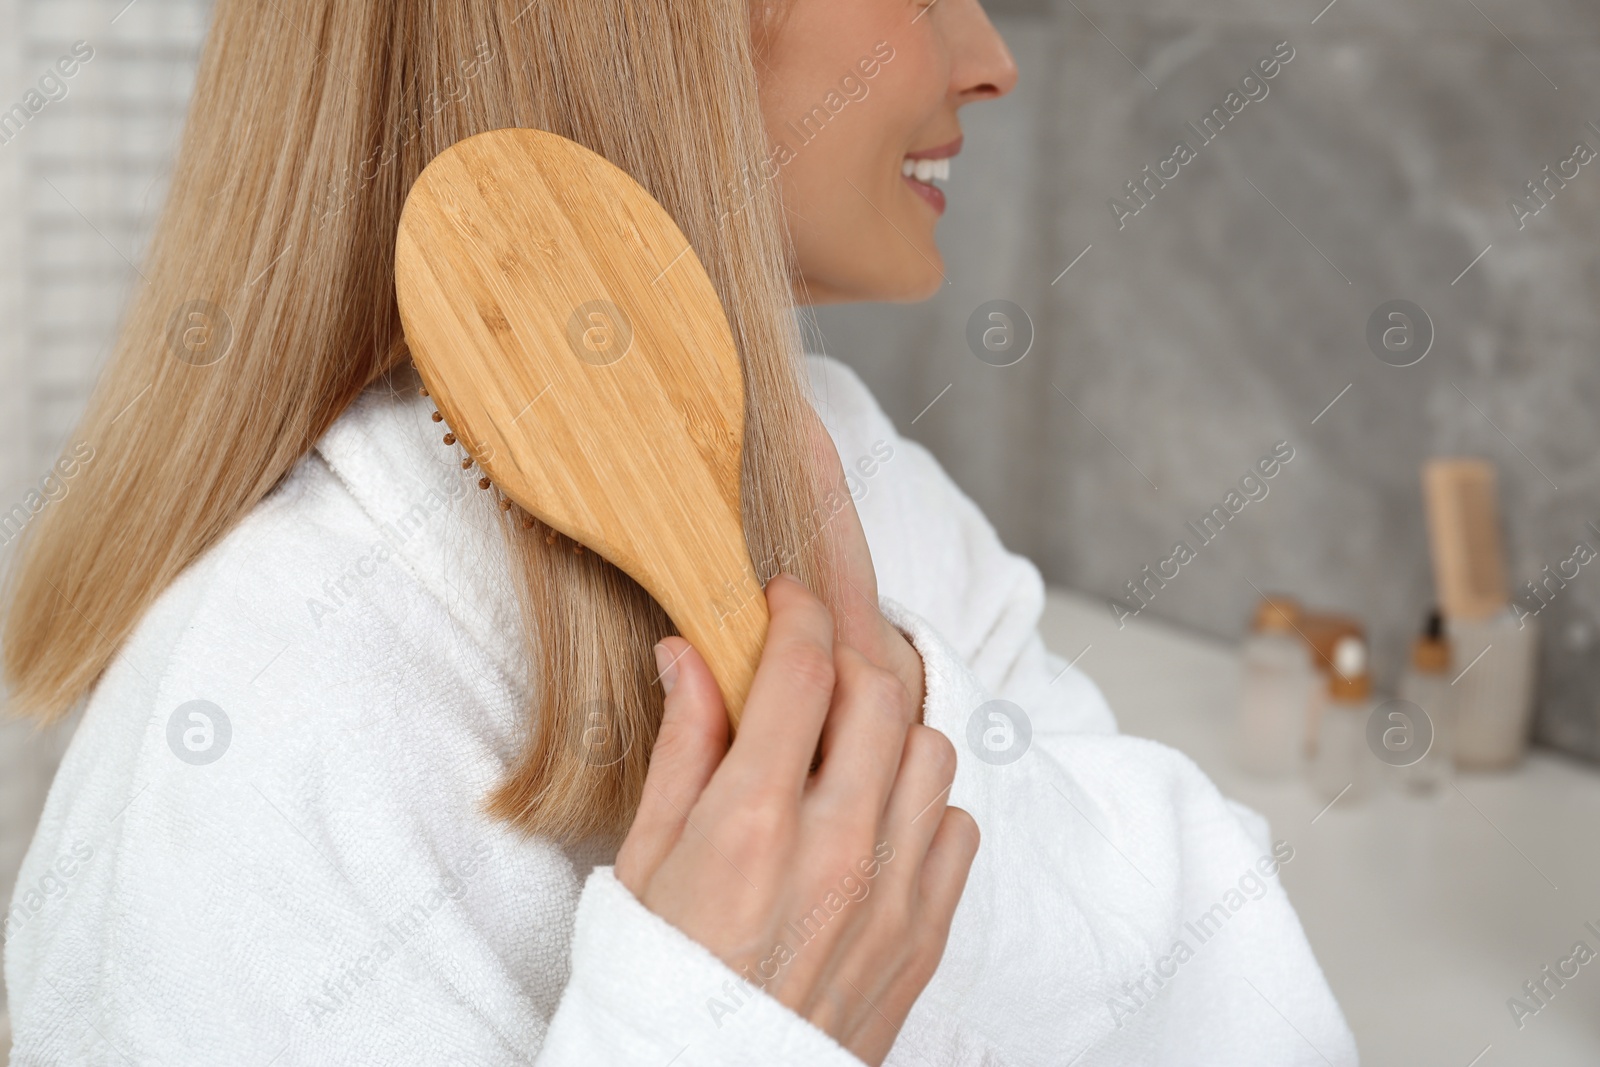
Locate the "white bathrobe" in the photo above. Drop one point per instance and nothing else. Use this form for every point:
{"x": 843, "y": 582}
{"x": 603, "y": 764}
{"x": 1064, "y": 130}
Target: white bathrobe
{"x": 266, "y": 846}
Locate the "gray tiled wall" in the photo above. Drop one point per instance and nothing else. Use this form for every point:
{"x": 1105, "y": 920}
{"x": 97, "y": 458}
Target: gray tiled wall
{"x": 1231, "y": 310}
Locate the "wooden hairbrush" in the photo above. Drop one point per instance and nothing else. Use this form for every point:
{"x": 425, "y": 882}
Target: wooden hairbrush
{"x": 574, "y": 344}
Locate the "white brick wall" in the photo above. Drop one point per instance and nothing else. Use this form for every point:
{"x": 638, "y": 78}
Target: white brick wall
{"x": 80, "y": 186}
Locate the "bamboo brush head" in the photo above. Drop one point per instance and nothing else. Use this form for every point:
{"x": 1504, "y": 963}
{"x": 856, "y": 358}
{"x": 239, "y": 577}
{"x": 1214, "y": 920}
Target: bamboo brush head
{"x": 579, "y": 353}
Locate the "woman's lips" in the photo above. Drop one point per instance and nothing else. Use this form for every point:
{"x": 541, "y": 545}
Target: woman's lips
{"x": 922, "y": 168}
{"x": 944, "y": 151}
{"x": 930, "y": 193}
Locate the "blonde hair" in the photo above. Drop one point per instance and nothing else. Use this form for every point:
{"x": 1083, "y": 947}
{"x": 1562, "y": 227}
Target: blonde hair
{"x": 310, "y": 121}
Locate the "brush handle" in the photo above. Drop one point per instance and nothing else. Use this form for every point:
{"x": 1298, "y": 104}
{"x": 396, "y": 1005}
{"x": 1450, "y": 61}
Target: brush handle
{"x": 725, "y": 619}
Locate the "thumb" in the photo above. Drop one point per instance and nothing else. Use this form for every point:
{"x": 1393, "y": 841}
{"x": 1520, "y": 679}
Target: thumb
{"x": 690, "y": 745}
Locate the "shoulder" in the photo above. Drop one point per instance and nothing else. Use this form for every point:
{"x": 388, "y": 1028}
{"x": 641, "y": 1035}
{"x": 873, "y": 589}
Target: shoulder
{"x": 295, "y": 745}
{"x": 340, "y": 677}
{"x": 302, "y": 640}
{"x": 372, "y": 573}
{"x": 317, "y": 631}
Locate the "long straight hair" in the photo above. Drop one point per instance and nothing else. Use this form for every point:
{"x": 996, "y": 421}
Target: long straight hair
{"x": 310, "y": 121}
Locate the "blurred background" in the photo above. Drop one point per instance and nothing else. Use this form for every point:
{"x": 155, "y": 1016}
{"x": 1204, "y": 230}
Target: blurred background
{"x": 1164, "y": 336}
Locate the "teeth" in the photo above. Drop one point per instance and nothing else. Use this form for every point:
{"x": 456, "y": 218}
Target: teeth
{"x": 926, "y": 170}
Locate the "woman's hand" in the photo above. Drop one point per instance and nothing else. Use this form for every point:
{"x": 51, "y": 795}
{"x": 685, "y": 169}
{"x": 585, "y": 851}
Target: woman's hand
{"x": 833, "y": 891}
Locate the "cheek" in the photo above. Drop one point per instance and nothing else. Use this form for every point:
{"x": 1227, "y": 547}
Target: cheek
{"x": 860, "y": 232}
{"x": 919, "y": 73}
{"x": 871, "y": 237}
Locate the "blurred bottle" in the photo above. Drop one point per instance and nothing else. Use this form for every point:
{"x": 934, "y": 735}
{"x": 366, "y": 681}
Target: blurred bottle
{"x": 1342, "y": 765}
{"x": 1497, "y": 662}
{"x": 1426, "y": 683}
{"x": 1275, "y": 690}
{"x": 1323, "y": 631}
{"x": 1496, "y": 651}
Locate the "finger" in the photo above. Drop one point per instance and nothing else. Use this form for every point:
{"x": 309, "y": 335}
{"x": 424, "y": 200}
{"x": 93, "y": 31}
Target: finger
{"x": 791, "y": 693}
{"x": 918, "y": 800}
{"x": 945, "y": 869}
{"x": 863, "y": 738}
{"x": 689, "y": 746}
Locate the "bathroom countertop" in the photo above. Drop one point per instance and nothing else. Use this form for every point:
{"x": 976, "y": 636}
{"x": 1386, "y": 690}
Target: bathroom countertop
{"x": 1427, "y": 915}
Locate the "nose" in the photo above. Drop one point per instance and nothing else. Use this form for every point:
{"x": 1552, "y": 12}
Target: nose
{"x": 982, "y": 67}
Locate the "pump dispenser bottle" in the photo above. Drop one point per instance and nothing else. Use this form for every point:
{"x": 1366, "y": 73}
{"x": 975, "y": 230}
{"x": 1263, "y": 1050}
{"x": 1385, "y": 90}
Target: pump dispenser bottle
{"x": 1342, "y": 766}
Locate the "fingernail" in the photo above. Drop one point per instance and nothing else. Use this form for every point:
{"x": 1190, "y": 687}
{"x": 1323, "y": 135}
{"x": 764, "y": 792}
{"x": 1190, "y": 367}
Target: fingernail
{"x": 666, "y": 669}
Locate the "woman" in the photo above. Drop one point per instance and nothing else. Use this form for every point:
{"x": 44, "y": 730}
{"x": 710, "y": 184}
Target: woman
{"x": 370, "y": 773}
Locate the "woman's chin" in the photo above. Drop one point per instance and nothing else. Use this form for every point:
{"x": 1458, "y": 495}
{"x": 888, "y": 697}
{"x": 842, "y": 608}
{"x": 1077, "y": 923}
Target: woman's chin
{"x": 918, "y": 280}
{"x": 911, "y": 273}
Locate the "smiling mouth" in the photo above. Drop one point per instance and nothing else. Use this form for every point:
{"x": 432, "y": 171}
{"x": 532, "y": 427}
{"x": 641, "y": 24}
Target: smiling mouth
{"x": 926, "y": 171}
{"x": 920, "y": 170}
{"x": 920, "y": 175}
